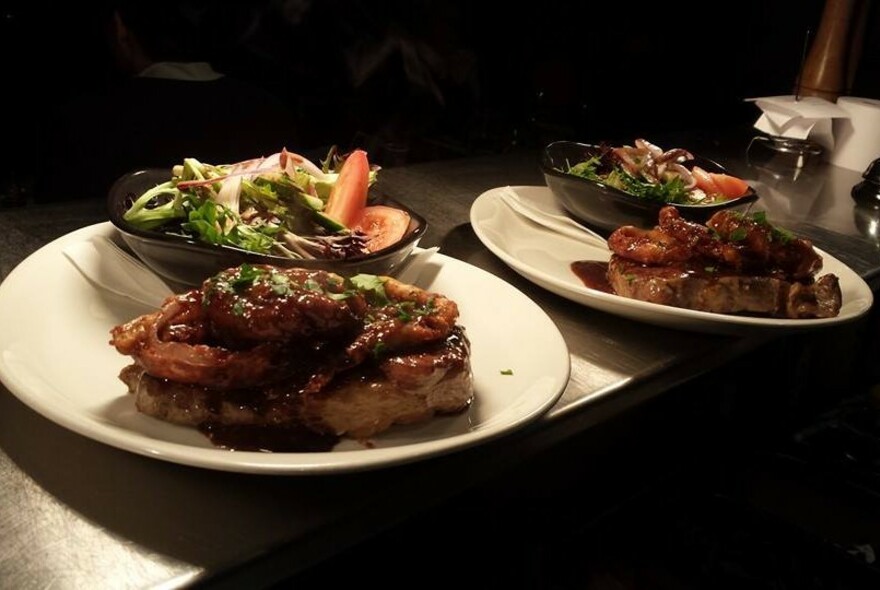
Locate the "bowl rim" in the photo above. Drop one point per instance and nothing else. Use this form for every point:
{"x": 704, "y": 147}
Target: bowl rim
{"x": 113, "y": 197}
{"x": 617, "y": 193}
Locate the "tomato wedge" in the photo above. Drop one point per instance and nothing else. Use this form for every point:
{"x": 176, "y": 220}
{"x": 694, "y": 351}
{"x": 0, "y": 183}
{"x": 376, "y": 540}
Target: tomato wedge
{"x": 730, "y": 186}
{"x": 383, "y": 226}
{"x": 714, "y": 183}
{"x": 348, "y": 197}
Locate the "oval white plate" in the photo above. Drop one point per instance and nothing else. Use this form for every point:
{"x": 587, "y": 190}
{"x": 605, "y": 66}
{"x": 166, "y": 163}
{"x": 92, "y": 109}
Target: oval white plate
{"x": 544, "y": 257}
{"x": 55, "y": 356}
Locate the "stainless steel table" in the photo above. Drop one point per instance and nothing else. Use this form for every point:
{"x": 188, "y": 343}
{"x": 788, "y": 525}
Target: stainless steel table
{"x": 78, "y": 514}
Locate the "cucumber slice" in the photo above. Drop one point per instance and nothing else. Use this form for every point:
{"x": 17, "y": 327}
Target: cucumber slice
{"x": 313, "y": 203}
{"x": 329, "y": 223}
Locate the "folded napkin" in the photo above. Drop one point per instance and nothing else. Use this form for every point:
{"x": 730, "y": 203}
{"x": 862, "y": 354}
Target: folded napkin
{"x": 805, "y": 117}
{"x": 412, "y": 268}
{"x": 107, "y": 266}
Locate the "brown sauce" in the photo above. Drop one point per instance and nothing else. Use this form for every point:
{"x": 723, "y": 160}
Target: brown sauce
{"x": 593, "y": 274}
{"x": 278, "y": 439}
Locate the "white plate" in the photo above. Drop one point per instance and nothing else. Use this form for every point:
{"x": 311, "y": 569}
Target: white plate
{"x": 56, "y": 357}
{"x": 544, "y": 257}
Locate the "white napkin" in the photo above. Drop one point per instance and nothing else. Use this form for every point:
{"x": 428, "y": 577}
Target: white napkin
{"x": 805, "y": 117}
{"x": 415, "y": 265}
{"x": 106, "y": 266}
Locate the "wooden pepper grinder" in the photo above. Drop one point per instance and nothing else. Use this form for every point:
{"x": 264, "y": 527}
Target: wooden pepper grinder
{"x": 827, "y": 70}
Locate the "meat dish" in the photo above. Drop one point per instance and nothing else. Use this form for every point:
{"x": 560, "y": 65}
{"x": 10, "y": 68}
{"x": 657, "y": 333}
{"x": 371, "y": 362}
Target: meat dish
{"x": 267, "y": 358}
{"x": 737, "y": 263}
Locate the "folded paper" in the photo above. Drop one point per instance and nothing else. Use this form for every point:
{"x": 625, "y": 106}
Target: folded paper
{"x": 807, "y": 118}
{"x": 857, "y": 136}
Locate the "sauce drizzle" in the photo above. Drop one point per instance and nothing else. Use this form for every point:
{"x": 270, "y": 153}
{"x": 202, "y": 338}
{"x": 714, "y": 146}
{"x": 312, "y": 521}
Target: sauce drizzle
{"x": 267, "y": 438}
{"x": 593, "y": 274}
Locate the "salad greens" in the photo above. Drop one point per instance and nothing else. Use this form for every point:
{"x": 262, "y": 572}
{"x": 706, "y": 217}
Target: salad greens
{"x": 670, "y": 189}
{"x": 648, "y": 172}
{"x": 273, "y": 205}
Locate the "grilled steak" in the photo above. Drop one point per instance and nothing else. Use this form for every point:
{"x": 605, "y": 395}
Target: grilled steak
{"x": 261, "y": 355}
{"x": 693, "y": 287}
{"x": 736, "y": 264}
{"x": 359, "y": 403}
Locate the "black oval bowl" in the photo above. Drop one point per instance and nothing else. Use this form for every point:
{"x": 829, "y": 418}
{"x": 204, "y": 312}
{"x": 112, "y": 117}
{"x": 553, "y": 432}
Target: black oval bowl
{"x": 606, "y": 207}
{"x": 190, "y": 262}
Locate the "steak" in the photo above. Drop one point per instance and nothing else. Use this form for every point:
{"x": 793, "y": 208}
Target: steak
{"x": 287, "y": 359}
{"x": 359, "y": 403}
{"x": 694, "y": 285}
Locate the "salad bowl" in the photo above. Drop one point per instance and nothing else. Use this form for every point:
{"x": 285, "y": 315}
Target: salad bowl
{"x": 189, "y": 261}
{"x": 606, "y": 207}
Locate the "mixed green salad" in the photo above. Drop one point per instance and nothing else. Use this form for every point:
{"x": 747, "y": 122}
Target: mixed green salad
{"x": 282, "y": 204}
{"x": 646, "y": 171}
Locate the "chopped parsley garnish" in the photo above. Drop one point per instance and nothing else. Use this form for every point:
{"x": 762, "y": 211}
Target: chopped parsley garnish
{"x": 281, "y": 285}
{"x": 760, "y": 217}
{"x": 372, "y": 286}
{"x": 739, "y": 234}
{"x": 407, "y": 310}
{"x": 312, "y": 285}
{"x": 783, "y": 234}
{"x": 238, "y": 307}
{"x": 245, "y": 277}
{"x": 403, "y": 313}
{"x": 507, "y": 371}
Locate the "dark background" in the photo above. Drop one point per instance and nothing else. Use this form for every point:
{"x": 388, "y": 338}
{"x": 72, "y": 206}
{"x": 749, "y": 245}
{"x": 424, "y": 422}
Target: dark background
{"x": 430, "y": 79}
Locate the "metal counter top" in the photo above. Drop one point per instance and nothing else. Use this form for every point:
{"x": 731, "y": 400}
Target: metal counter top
{"x": 76, "y": 513}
